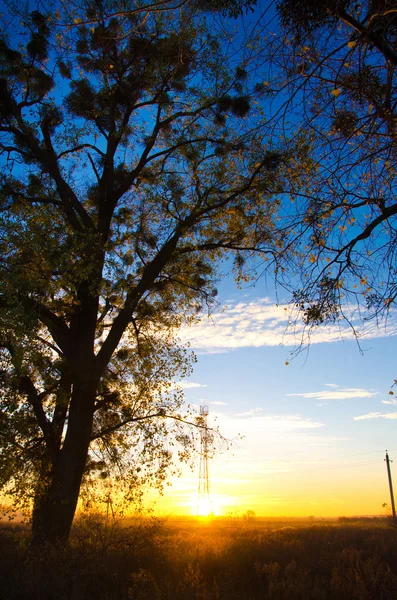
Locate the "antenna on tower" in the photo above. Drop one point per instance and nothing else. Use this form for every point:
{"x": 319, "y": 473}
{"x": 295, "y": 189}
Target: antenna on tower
{"x": 204, "y": 506}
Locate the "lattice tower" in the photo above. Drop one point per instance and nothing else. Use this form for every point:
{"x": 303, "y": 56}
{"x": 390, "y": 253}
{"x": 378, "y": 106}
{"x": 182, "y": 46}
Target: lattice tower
{"x": 204, "y": 492}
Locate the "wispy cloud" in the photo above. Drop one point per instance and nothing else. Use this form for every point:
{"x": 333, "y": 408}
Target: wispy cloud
{"x": 338, "y": 394}
{"x": 263, "y": 323}
{"x": 253, "y": 421}
{"x": 376, "y": 415}
{"x": 393, "y": 402}
{"x": 187, "y": 385}
{"x": 218, "y": 403}
{"x": 288, "y": 422}
{"x": 250, "y": 413}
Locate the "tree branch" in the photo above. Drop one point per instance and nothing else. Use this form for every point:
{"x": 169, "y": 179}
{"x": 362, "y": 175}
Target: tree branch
{"x": 380, "y": 43}
{"x": 26, "y": 387}
{"x": 56, "y": 326}
{"x": 160, "y": 413}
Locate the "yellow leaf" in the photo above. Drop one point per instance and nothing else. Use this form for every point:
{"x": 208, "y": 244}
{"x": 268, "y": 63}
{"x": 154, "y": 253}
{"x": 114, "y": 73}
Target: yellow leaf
{"x": 287, "y": 363}
{"x": 336, "y": 92}
{"x": 351, "y": 44}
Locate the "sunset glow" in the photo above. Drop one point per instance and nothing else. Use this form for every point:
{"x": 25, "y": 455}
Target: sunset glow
{"x": 198, "y": 291}
{"x": 308, "y": 438}
{"x": 204, "y": 508}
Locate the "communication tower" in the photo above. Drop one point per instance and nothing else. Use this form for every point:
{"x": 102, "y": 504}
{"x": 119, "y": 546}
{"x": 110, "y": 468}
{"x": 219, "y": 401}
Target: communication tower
{"x": 204, "y": 506}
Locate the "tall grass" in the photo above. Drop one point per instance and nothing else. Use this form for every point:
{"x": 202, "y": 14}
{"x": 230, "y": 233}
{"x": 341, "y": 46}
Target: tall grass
{"x": 107, "y": 560}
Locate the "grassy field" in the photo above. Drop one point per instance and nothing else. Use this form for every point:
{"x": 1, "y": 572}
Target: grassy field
{"x": 222, "y": 559}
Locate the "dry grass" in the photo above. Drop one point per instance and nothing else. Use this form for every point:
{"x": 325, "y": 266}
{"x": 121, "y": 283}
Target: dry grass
{"x": 220, "y": 561}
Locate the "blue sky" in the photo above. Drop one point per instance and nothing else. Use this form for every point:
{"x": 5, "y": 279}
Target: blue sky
{"x": 314, "y": 431}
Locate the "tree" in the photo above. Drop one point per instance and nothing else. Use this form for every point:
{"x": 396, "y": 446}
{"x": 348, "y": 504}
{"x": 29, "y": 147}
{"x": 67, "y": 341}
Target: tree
{"x": 133, "y": 164}
{"x": 340, "y": 61}
{"x": 249, "y": 516}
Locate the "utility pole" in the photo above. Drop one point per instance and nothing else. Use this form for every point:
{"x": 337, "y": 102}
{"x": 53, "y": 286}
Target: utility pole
{"x": 393, "y": 507}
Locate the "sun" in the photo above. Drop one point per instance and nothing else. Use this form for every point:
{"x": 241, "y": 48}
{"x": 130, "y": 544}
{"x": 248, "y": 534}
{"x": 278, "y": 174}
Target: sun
{"x": 205, "y": 507}
{"x": 216, "y": 505}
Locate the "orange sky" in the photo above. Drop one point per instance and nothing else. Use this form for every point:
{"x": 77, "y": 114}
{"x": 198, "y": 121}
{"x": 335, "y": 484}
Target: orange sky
{"x": 339, "y": 488}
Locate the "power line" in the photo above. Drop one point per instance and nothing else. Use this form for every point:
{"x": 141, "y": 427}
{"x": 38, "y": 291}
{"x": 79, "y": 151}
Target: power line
{"x": 346, "y": 466}
{"x": 358, "y": 454}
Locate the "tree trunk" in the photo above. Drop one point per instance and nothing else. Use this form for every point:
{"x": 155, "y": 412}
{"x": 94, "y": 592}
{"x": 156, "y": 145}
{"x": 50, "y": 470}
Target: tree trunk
{"x": 56, "y": 498}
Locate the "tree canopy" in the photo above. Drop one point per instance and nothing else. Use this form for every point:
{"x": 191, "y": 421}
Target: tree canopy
{"x": 339, "y": 58}
{"x": 136, "y": 156}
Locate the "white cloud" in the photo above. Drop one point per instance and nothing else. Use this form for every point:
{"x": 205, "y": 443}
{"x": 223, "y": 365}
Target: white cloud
{"x": 289, "y": 422}
{"x": 338, "y": 394}
{"x": 250, "y": 413}
{"x": 186, "y": 385}
{"x": 261, "y": 435}
{"x": 393, "y": 402}
{"x": 253, "y": 421}
{"x": 263, "y": 323}
{"x": 331, "y": 385}
{"x": 263, "y": 445}
{"x": 376, "y": 415}
{"x": 218, "y": 403}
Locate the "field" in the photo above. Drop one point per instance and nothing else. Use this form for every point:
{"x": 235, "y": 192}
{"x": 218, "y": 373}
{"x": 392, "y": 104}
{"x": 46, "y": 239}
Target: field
{"x": 223, "y": 559}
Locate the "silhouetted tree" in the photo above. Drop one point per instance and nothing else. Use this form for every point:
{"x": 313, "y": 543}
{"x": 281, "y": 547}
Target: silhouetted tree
{"x": 340, "y": 59}
{"x": 133, "y": 164}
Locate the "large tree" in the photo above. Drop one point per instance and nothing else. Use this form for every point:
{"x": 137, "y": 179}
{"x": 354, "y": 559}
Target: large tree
{"x": 340, "y": 61}
{"x": 132, "y": 164}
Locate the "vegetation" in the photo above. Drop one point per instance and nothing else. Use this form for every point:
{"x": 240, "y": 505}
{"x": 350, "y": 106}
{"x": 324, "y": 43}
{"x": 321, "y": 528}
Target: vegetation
{"x": 356, "y": 561}
{"x": 138, "y": 153}
{"x": 135, "y": 158}
{"x": 340, "y": 61}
